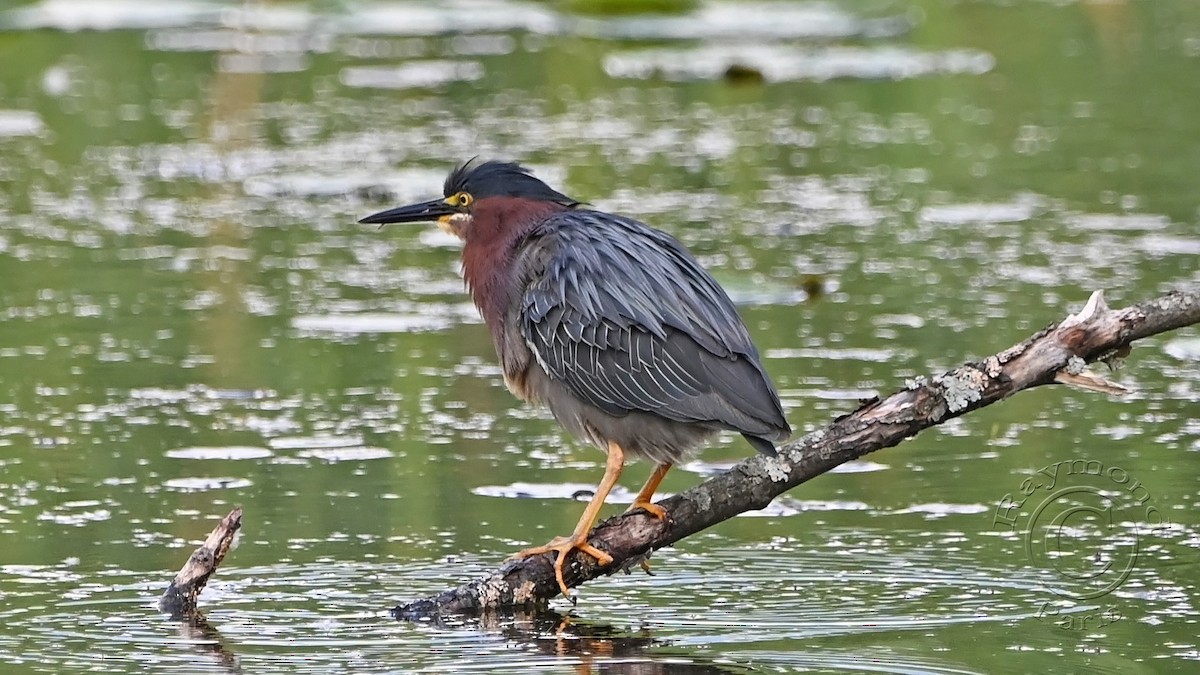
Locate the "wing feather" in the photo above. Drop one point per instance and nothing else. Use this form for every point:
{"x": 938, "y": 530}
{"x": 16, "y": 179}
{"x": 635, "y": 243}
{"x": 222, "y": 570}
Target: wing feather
{"x": 625, "y": 318}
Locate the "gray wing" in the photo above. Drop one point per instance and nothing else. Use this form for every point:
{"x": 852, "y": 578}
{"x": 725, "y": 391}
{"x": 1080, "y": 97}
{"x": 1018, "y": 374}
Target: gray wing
{"x": 627, "y": 320}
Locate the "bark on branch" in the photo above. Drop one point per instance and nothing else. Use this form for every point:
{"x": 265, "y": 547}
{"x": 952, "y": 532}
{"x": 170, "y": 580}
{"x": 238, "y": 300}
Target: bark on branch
{"x": 180, "y": 597}
{"x": 1095, "y": 333}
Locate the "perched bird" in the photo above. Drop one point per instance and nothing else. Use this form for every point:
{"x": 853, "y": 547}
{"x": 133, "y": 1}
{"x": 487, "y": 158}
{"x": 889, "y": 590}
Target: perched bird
{"x": 608, "y": 322}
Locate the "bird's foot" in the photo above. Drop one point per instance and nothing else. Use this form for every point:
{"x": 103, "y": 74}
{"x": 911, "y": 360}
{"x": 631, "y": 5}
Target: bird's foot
{"x": 563, "y": 547}
{"x": 650, "y": 508}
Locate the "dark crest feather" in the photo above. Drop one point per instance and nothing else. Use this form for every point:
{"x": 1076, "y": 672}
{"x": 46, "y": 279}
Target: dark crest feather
{"x": 493, "y": 178}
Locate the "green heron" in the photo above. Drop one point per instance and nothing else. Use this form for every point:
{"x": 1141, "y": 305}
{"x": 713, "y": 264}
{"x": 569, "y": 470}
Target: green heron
{"x": 608, "y": 322}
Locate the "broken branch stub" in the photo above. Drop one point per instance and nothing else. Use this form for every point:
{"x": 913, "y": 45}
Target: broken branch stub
{"x": 180, "y": 597}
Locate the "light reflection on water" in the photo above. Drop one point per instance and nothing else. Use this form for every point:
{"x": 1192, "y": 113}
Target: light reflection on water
{"x": 259, "y": 615}
{"x": 843, "y": 608}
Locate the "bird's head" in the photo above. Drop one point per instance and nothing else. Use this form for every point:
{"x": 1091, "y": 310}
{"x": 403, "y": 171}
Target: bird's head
{"x": 472, "y": 187}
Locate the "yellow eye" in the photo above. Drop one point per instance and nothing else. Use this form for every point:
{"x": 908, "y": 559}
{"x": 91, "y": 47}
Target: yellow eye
{"x": 460, "y": 199}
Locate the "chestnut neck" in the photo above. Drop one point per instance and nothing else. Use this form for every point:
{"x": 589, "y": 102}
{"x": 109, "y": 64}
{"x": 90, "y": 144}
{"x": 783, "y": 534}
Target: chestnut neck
{"x": 497, "y": 225}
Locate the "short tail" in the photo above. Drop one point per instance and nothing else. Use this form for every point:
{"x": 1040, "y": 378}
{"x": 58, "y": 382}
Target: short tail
{"x": 761, "y": 444}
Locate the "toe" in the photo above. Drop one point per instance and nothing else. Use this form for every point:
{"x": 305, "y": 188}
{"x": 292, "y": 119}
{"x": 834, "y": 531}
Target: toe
{"x": 556, "y": 545}
{"x": 529, "y": 552}
{"x": 600, "y": 556}
{"x": 558, "y": 575}
{"x": 652, "y": 509}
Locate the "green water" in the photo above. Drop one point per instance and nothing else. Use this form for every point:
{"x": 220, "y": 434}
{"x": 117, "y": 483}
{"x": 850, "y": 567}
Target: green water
{"x": 190, "y": 319}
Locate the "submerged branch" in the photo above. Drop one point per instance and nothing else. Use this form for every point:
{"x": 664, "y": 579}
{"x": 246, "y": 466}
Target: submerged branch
{"x": 1095, "y": 333}
{"x": 180, "y": 597}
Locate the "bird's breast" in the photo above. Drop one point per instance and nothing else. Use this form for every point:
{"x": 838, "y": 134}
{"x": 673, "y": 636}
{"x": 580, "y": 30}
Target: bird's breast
{"x": 496, "y": 295}
{"x": 495, "y": 274}
{"x": 517, "y": 361}
{"x": 518, "y": 384}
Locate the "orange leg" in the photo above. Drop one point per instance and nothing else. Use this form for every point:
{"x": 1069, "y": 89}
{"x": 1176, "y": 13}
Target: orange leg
{"x": 578, "y": 539}
{"x": 642, "y": 500}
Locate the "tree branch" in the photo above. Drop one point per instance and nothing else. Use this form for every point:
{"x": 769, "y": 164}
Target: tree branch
{"x": 1095, "y": 333}
{"x": 180, "y": 597}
